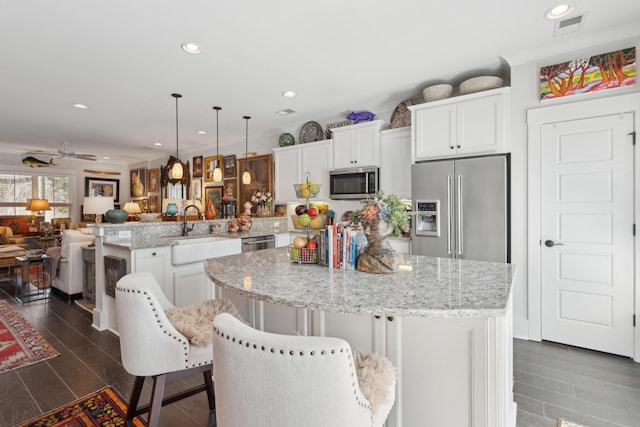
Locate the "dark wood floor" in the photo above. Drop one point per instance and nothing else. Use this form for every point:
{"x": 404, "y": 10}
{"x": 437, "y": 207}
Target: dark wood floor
{"x": 88, "y": 361}
{"x": 551, "y": 380}
{"x": 555, "y": 380}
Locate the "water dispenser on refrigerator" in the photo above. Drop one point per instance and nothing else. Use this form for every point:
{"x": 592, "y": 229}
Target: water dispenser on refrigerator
{"x": 427, "y": 220}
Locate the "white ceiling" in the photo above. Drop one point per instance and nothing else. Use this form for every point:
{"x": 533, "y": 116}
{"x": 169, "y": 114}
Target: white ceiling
{"x": 123, "y": 59}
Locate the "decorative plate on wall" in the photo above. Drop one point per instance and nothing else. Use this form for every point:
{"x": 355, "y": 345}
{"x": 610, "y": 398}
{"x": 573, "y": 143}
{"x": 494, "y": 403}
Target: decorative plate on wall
{"x": 311, "y": 131}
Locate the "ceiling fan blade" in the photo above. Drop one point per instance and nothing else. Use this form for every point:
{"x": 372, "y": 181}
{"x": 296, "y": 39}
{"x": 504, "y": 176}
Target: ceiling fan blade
{"x": 41, "y": 153}
{"x": 85, "y": 157}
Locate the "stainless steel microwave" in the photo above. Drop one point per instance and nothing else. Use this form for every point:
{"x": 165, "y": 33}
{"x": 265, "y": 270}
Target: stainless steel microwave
{"x": 353, "y": 183}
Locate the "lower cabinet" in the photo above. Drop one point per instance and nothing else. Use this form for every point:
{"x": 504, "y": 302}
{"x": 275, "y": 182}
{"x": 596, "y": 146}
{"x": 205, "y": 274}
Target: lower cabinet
{"x": 156, "y": 261}
{"x": 191, "y": 285}
{"x": 451, "y": 371}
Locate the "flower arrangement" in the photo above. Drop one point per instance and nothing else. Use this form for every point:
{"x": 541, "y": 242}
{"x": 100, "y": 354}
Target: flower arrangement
{"x": 261, "y": 198}
{"x": 390, "y": 209}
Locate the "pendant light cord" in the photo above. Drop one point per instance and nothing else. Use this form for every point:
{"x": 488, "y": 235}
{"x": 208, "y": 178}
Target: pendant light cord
{"x": 177, "y": 96}
{"x": 217, "y": 131}
{"x": 246, "y": 146}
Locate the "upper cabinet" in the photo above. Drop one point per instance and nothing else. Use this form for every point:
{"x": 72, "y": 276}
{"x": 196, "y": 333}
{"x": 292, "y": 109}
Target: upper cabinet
{"x": 395, "y": 162}
{"x": 357, "y": 145}
{"x": 292, "y": 163}
{"x": 460, "y": 126}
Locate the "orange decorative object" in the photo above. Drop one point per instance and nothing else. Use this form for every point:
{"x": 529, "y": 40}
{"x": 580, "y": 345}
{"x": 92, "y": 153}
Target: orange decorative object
{"x": 210, "y": 211}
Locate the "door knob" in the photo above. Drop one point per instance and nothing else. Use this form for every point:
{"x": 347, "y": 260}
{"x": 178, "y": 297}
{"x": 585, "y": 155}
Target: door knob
{"x": 551, "y": 243}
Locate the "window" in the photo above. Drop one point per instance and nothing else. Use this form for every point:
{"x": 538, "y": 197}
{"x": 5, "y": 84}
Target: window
{"x": 16, "y": 189}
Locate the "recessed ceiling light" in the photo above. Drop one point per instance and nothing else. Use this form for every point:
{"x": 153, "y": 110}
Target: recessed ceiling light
{"x": 288, "y": 94}
{"x": 191, "y": 48}
{"x": 80, "y": 106}
{"x": 201, "y": 132}
{"x": 559, "y": 11}
{"x": 157, "y": 144}
{"x": 106, "y": 158}
{"x": 285, "y": 112}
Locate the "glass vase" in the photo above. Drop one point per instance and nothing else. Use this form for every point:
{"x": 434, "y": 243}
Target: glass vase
{"x": 379, "y": 256}
{"x": 263, "y": 210}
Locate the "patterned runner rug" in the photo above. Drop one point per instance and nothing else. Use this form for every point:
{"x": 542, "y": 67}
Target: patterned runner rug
{"x": 20, "y": 343}
{"x": 101, "y": 408}
{"x": 563, "y": 422}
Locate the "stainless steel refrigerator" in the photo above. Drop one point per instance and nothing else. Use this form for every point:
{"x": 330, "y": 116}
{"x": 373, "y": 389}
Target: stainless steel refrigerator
{"x": 463, "y": 208}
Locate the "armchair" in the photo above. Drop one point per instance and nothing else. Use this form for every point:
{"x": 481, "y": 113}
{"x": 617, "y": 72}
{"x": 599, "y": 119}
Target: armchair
{"x": 69, "y": 277}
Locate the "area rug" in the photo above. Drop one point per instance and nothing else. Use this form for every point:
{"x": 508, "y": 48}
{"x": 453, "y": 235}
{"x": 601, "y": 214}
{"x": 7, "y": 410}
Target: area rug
{"x": 86, "y": 304}
{"x": 101, "y": 408}
{"x": 20, "y": 343}
{"x": 563, "y": 422}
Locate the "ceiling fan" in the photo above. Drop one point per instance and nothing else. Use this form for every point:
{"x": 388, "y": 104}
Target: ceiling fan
{"x": 64, "y": 152}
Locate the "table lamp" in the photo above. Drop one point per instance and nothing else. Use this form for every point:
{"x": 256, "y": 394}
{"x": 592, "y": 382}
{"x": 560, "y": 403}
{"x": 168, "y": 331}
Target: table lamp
{"x": 36, "y": 206}
{"x": 97, "y": 206}
{"x": 132, "y": 209}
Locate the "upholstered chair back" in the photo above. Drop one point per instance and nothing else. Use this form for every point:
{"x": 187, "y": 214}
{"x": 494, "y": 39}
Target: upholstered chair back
{"x": 264, "y": 379}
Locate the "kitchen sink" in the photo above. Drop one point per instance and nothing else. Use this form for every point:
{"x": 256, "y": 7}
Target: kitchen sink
{"x": 195, "y": 250}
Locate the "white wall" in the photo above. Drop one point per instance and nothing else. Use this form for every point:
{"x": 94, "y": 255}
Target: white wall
{"x": 524, "y": 96}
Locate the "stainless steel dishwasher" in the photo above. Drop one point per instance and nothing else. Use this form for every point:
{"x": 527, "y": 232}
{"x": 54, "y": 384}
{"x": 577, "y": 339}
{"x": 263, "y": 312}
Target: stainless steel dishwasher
{"x": 250, "y": 244}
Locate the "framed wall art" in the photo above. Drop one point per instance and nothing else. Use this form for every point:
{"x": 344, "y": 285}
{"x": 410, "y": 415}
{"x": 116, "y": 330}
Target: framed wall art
{"x": 154, "y": 180}
{"x": 153, "y": 204}
{"x": 215, "y": 194}
{"x": 261, "y": 169}
{"x": 138, "y": 181}
{"x": 196, "y": 189}
{"x": 229, "y": 169}
{"x": 589, "y": 74}
{"x": 94, "y": 187}
{"x": 210, "y": 163}
{"x": 197, "y": 167}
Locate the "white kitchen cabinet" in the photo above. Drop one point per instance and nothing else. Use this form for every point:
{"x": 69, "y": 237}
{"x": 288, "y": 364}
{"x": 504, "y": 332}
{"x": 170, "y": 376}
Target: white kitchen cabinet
{"x": 292, "y": 164}
{"x": 191, "y": 285}
{"x": 156, "y": 261}
{"x": 357, "y": 329}
{"x": 287, "y": 171}
{"x": 357, "y": 145}
{"x": 460, "y": 126}
{"x": 395, "y": 162}
{"x": 282, "y": 239}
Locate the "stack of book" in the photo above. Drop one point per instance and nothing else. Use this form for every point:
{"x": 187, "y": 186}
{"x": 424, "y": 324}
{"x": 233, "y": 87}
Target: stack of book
{"x": 340, "y": 245}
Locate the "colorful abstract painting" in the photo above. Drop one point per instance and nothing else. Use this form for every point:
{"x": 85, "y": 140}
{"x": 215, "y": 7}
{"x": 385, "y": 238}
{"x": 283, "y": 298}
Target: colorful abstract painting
{"x": 590, "y": 74}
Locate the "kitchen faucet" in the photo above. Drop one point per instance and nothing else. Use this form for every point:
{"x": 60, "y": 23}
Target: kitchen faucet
{"x": 185, "y": 229}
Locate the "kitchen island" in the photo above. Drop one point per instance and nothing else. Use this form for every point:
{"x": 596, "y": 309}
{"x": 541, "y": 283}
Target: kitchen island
{"x": 446, "y": 324}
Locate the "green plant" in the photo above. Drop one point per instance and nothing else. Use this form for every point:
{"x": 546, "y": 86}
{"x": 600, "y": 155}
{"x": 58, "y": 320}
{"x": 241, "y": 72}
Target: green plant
{"x": 390, "y": 209}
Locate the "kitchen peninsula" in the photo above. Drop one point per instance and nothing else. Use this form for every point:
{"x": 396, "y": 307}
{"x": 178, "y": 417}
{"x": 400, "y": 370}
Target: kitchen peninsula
{"x": 445, "y": 324}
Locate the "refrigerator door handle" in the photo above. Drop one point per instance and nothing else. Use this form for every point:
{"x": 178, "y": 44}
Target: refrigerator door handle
{"x": 459, "y": 228}
{"x": 449, "y": 212}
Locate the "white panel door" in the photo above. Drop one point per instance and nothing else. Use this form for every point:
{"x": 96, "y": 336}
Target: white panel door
{"x": 587, "y": 233}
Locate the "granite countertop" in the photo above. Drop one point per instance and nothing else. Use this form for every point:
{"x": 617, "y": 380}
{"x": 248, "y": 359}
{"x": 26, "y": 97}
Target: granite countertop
{"x": 424, "y": 286}
{"x": 143, "y": 242}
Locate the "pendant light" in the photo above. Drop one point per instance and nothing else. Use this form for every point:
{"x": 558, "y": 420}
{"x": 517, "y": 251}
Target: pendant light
{"x": 217, "y": 172}
{"x": 246, "y": 175}
{"x": 176, "y": 170}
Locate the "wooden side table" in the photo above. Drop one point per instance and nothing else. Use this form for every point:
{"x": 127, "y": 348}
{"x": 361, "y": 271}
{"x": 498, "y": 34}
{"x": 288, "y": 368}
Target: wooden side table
{"x": 32, "y": 278}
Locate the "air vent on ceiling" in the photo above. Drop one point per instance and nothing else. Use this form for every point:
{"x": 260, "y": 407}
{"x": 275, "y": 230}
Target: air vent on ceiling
{"x": 569, "y": 25}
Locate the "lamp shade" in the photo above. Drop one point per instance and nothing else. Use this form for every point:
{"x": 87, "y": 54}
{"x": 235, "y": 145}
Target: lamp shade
{"x": 132, "y": 208}
{"x": 97, "y": 205}
{"x": 38, "y": 205}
